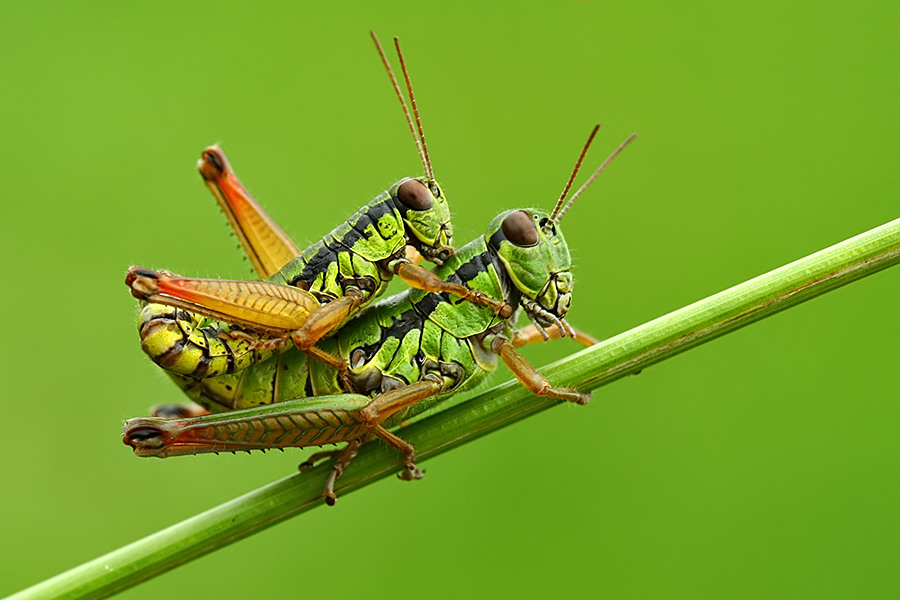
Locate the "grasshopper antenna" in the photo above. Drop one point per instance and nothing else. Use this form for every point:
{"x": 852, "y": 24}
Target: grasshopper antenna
{"x": 596, "y": 174}
{"x": 565, "y": 191}
{"x": 414, "y": 128}
{"x": 412, "y": 100}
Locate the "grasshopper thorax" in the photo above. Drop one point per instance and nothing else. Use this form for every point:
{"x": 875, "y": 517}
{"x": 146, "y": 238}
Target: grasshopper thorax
{"x": 536, "y": 259}
{"x": 426, "y": 217}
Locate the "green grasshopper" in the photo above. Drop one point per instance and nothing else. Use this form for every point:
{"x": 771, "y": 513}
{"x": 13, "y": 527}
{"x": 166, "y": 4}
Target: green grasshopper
{"x": 342, "y": 273}
{"x": 405, "y": 353}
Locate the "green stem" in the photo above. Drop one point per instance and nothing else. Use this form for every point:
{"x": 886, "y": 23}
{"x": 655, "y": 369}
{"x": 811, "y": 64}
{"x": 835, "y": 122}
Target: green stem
{"x": 603, "y": 363}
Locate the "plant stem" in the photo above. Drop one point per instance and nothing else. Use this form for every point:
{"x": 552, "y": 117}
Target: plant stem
{"x": 589, "y": 369}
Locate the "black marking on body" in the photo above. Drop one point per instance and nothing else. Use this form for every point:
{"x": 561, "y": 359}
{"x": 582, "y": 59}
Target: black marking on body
{"x": 429, "y": 303}
{"x": 389, "y": 363}
{"x": 229, "y": 357}
{"x": 174, "y": 349}
{"x": 365, "y": 221}
{"x": 494, "y": 241}
{"x": 274, "y": 385}
{"x": 379, "y": 210}
{"x": 463, "y": 274}
{"x": 350, "y": 237}
{"x": 315, "y": 265}
{"x": 402, "y": 324}
{"x": 308, "y": 387}
{"x": 203, "y": 364}
{"x": 469, "y": 270}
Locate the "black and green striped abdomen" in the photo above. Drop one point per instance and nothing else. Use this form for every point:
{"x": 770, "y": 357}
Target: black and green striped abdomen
{"x": 188, "y": 344}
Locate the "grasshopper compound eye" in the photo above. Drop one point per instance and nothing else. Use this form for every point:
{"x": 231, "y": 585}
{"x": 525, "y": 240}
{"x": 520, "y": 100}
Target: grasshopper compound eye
{"x": 413, "y": 194}
{"x": 519, "y": 228}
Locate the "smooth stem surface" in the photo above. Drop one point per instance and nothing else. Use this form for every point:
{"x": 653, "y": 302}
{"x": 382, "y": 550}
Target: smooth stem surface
{"x": 601, "y": 364}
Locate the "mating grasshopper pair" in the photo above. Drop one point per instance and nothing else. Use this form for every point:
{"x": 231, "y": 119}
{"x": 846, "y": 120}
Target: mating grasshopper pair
{"x": 293, "y": 362}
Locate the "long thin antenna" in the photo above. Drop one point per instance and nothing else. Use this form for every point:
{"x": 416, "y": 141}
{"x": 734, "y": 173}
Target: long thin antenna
{"x": 412, "y": 100}
{"x": 406, "y": 113}
{"x": 596, "y": 174}
{"x": 565, "y": 191}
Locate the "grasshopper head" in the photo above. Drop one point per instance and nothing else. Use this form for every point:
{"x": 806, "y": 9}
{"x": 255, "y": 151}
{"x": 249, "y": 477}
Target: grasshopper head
{"x": 426, "y": 217}
{"x": 533, "y": 251}
{"x": 535, "y": 255}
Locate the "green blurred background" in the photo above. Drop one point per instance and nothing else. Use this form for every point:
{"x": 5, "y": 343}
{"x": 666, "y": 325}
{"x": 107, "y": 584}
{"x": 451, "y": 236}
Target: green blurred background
{"x": 763, "y": 464}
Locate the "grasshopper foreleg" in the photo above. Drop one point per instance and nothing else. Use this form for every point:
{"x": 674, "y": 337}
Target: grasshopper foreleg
{"x": 529, "y": 376}
{"x": 531, "y": 334}
{"x": 421, "y": 278}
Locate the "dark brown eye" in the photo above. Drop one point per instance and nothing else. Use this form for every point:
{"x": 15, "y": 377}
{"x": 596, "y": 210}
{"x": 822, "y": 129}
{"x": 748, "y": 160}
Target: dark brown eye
{"x": 519, "y": 228}
{"x": 413, "y": 194}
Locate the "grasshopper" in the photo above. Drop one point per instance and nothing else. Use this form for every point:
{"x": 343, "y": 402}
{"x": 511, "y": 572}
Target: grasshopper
{"x": 341, "y": 273}
{"x": 405, "y": 353}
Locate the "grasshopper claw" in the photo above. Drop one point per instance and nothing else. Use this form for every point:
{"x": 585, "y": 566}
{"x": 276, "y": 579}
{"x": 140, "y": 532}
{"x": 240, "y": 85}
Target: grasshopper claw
{"x": 411, "y": 473}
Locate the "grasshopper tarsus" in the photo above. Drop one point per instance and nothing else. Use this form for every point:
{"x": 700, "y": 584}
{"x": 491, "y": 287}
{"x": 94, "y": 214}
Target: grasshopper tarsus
{"x": 582, "y": 398}
{"x": 411, "y": 473}
{"x": 567, "y": 394}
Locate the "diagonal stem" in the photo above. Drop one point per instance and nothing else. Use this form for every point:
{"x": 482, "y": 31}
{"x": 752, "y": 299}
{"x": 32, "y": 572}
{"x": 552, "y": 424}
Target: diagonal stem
{"x": 589, "y": 369}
